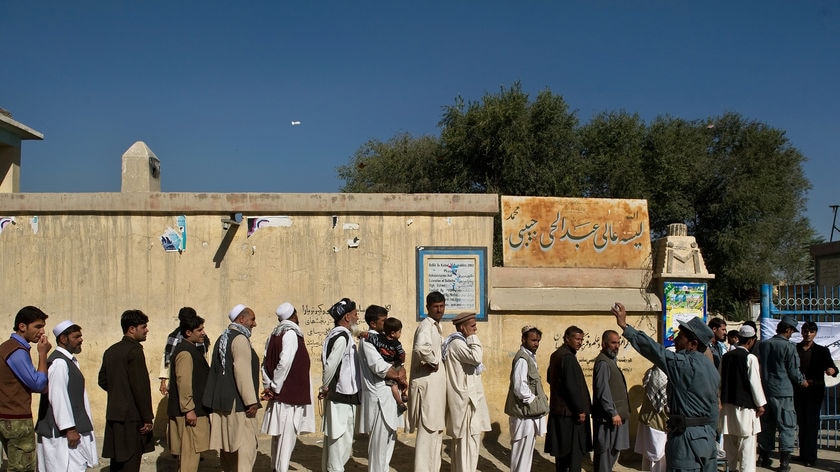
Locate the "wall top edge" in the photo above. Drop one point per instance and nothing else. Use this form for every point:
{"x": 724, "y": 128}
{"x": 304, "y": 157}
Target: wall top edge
{"x": 251, "y": 203}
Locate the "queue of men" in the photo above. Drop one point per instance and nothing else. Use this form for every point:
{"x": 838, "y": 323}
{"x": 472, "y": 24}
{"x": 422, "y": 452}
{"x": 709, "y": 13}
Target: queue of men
{"x": 213, "y": 405}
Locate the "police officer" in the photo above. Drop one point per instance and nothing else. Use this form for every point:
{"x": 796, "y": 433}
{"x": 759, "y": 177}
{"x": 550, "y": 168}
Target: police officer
{"x": 692, "y": 391}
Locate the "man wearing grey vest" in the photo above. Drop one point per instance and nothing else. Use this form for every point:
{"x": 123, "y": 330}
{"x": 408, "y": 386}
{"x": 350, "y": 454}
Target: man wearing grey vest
{"x": 527, "y": 403}
{"x": 232, "y": 393}
{"x": 610, "y": 405}
{"x": 65, "y": 430}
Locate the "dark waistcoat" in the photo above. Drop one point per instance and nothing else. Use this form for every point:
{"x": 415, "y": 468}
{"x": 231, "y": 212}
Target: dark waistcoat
{"x": 200, "y": 369}
{"x": 735, "y": 384}
{"x": 76, "y": 391}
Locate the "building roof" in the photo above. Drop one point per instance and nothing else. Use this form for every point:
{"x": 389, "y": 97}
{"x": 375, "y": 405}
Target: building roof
{"x": 18, "y": 129}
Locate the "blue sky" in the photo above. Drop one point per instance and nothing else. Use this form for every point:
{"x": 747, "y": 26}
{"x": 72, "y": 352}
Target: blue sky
{"x": 212, "y": 87}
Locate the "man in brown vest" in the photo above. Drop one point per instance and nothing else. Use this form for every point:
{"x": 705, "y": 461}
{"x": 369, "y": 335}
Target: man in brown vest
{"x": 285, "y": 373}
{"x": 526, "y": 402}
{"x": 189, "y": 420}
{"x": 18, "y": 379}
{"x": 610, "y": 405}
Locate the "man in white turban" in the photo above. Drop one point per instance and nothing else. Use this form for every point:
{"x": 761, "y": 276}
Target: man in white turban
{"x": 285, "y": 379}
{"x": 231, "y": 392}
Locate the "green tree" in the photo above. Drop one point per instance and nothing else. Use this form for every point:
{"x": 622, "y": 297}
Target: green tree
{"x": 749, "y": 208}
{"x": 613, "y": 147}
{"x": 403, "y": 164}
{"x": 674, "y": 155}
{"x": 508, "y": 145}
{"x": 738, "y": 184}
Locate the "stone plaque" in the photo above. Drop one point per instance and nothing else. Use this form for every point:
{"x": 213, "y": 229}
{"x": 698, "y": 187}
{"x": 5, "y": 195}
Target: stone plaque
{"x": 575, "y": 232}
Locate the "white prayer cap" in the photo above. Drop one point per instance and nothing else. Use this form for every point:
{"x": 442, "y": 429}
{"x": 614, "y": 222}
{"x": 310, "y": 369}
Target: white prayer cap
{"x": 746, "y": 332}
{"x": 59, "y": 328}
{"x": 285, "y": 311}
{"x": 236, "y": 311}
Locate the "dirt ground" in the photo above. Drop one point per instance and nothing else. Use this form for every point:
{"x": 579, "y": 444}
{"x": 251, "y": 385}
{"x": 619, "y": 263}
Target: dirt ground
{"x": 495, "y": 457}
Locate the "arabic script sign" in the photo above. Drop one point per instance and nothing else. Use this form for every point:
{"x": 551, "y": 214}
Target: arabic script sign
{"x": 575, "y": 232}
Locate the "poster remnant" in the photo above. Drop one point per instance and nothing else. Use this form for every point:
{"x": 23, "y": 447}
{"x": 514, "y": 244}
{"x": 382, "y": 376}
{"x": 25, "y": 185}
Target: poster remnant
{"x": 259, "y": 222}
{"x": 175, "y": 240}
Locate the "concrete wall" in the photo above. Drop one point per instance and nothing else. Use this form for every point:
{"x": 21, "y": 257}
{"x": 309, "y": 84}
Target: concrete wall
{"x": 89, "y": 257}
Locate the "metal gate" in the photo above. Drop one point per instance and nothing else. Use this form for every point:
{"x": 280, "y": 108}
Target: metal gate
{"x": 809, "y": 303}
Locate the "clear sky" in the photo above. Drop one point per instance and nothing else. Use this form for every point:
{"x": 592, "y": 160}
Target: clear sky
{"x": 212, "y": 87}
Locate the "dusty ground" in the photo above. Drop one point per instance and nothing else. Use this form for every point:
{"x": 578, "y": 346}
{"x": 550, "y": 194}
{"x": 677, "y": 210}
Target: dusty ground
{"x": 495, "y": 457}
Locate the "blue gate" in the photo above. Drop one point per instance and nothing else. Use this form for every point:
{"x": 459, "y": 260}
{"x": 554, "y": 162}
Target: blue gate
{"x": 817, "y": 304}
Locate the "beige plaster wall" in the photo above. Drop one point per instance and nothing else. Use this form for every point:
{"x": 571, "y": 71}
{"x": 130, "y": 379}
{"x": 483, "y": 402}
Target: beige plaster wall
{"x": 92, "y": 256}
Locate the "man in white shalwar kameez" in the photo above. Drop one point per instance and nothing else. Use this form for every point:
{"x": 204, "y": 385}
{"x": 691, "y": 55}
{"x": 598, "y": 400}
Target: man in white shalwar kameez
{"x": 427, "y": 390}
{"x": 285, "y": 374}
{"x": 380, "y": 418}
{"x": 743, "y": 402}
{"x": 66, "y": 440}
{"x": 468, "y": 414}
{"x": 527, "y": 403}
{"x": 340, "y": 387}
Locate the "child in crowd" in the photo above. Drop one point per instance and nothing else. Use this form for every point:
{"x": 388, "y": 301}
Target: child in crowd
{"x": 388, "y": 344}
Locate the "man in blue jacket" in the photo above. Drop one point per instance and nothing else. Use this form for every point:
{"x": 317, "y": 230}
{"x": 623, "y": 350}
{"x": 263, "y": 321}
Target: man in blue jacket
{"x": 692, "y": 391}
{"x": 779, "y": 373}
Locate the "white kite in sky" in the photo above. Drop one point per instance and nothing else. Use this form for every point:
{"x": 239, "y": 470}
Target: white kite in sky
{"x": 295, "y": 123}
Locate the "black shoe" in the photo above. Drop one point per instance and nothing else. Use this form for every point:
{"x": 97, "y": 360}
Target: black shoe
{"x": 764, "y": 459}
{"x": 784, "y": 462}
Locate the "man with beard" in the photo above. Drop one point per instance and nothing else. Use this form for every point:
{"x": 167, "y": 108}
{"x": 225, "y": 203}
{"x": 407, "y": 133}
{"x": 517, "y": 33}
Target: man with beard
{"x": 287, "y": 387}
{"x": 526, "y": 402}
{"x": 232, "y": 393}
{"x": 610, "y": 405}
{"x": 569, "y": 436}
{"x": 340, "y": 387}
{"x": 65, "y": 428}
{"x": 128, "y": 414}
{"x": 692, "y": 391}
{"x": 467, "y": 413}
{"x": 814, "y": 362}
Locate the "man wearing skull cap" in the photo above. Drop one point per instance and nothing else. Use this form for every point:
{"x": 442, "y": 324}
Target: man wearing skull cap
{"x": 65, "y": 427}
{"x": 285, "y": 372}
{"x": 742, "y": 397}
{"x": 232, "y": 393}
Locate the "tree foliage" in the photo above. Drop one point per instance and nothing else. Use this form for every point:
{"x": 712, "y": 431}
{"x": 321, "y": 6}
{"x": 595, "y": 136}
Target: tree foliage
{"x": 737, "y": 183}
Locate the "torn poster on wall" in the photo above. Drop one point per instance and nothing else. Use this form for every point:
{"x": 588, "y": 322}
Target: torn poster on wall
{"x": 6, "y": 221}
{"x": 174, "y": 240}
{"x": 259, "y": 222}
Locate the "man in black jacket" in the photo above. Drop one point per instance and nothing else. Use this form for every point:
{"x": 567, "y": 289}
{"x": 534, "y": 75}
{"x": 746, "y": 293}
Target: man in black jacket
{"x": 128, "y": 414}
{"x": 814, "y": 361}
{"x": 569, "y": 434}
